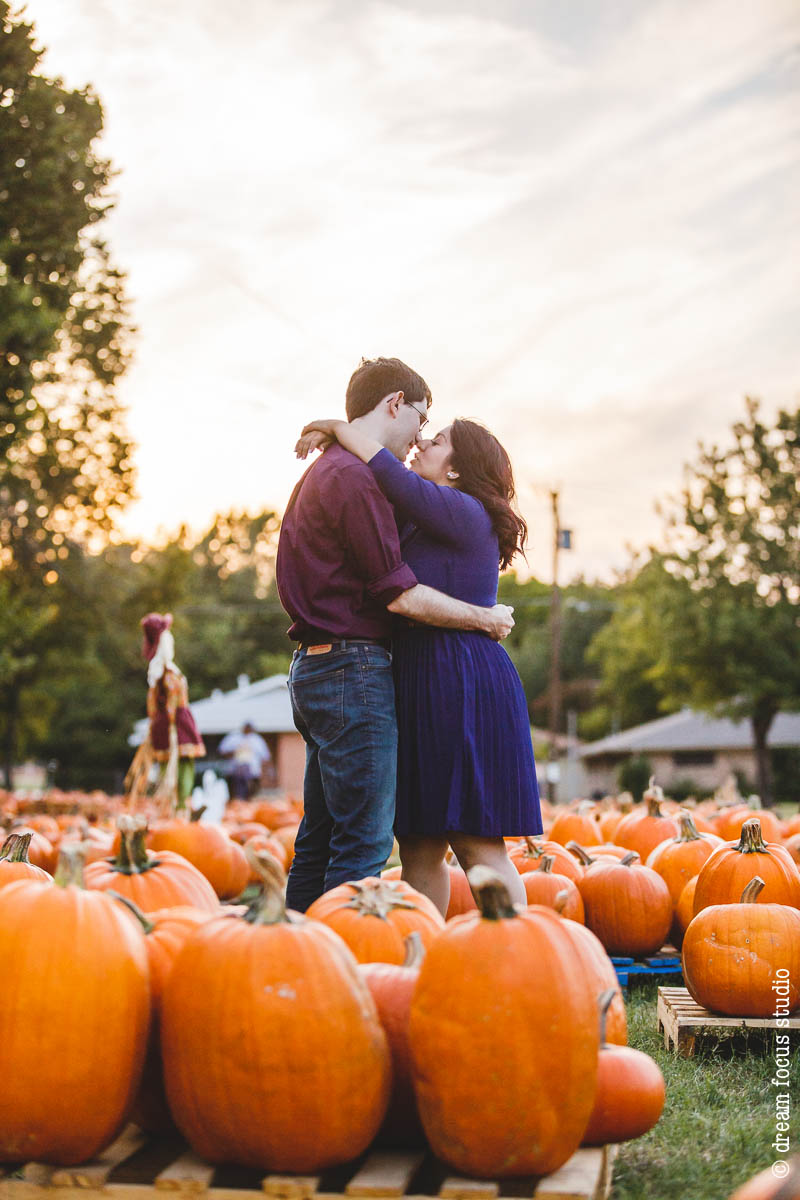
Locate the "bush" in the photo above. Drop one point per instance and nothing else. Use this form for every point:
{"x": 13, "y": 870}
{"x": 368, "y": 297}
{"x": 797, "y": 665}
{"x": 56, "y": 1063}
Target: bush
{"x": 634, "y": 775}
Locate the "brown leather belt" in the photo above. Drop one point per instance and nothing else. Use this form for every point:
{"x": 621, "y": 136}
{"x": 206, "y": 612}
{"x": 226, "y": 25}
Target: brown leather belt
{"x": 342, "y": 643}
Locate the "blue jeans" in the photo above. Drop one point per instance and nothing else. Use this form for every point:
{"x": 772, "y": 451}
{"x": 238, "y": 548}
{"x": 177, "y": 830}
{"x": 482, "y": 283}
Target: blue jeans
{"x": 343, "y": 705}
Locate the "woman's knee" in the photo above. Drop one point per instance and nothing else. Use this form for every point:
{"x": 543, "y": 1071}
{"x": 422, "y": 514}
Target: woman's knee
{"x": 422, "y": 850}
{"x": 472, "y": 851}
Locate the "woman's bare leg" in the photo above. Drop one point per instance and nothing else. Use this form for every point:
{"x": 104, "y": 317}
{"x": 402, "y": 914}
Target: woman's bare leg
{"x": 424, "y": 867}
{"x": 489, "y": 852}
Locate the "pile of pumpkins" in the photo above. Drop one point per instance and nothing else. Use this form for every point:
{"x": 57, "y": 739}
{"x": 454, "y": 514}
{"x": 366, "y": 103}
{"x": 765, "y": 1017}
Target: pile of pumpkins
{"x": 290, "y": 1043}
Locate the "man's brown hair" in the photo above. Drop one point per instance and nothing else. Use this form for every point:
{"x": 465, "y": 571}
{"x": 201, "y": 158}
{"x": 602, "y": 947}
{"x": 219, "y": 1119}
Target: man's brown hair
{"x": 375, "y": 378}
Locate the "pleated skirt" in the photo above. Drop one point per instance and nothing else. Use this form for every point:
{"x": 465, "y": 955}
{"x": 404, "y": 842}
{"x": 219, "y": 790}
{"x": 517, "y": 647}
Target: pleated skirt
{"x": 465, "y": 759}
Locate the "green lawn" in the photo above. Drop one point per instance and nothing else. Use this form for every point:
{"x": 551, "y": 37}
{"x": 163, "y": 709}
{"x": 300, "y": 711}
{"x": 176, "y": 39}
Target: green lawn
{"x": 718, "y": 1124}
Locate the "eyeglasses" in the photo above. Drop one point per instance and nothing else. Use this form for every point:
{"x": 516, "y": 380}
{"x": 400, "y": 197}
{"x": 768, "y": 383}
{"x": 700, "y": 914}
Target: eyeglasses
{"x": 423, "y": 421}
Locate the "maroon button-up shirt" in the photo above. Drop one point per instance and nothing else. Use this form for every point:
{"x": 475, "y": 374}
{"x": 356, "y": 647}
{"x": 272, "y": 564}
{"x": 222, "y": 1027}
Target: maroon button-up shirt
{"x": 339, "y": 561}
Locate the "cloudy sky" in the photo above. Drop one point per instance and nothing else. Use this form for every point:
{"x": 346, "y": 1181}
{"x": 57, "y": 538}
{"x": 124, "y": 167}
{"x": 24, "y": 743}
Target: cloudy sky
{"x": 578, "y": 221}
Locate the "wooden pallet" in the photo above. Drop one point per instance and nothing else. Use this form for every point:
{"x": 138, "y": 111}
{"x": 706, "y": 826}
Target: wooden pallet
{"x": 682, "y": 1020}
{"x": 137, "y": 1167}
{"x": 666, "y": 962}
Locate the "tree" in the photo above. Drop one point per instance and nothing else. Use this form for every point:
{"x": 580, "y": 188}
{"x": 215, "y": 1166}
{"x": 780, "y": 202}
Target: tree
{"x": 714, "y": 620}
{"x": 65, "y": 458}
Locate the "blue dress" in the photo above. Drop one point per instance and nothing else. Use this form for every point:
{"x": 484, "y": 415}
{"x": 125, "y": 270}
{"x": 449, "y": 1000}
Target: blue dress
{"x": 465, "y": 759}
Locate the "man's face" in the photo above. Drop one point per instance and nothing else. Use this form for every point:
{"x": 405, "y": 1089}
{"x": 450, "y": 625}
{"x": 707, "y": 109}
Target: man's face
{"x": 409, "y": 420}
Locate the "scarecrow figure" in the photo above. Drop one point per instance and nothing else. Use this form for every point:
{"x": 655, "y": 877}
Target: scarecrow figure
{"x": 173, "y": 739}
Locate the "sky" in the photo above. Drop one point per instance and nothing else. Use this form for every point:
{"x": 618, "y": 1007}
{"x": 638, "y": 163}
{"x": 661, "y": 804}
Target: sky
{"x": 577, "y": 221}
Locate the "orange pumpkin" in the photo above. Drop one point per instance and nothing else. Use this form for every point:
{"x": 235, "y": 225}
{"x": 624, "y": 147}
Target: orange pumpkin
{"x": 14, "y": 864}
{"x": 151, "y": 881}
{"x": 545, "y": 887}
{"x": 643, "y": 829}
{"x": 738, "y": 957}
{"x": 85, "y": 1008}
{"x": 630, "y": 1091}
{"x": 679, "y": 860}
{"x": 374, "y": 916}
{"x": 604, "y": 853}
{"x": 601, "y": 977}
{"x": 165, "y": 933}
{"x": 577, "y": 825}
{"x": 505, "y": 990}
{"x": 732, "y": 865}
{"x": 461, "y": 897}
{"x": 392, "y": 987}
{"x": 684, "y": 909}
{"x": 302, "y": 1082}
{"x": 527, "y": 856}
{"x": 792, "y": 844}
{"x": 629, "y": 907}
{"x": 207, "y": 847}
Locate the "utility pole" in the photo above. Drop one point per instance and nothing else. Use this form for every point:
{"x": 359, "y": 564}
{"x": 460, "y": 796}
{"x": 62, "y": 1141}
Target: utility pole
{"x": 555, "y": 660}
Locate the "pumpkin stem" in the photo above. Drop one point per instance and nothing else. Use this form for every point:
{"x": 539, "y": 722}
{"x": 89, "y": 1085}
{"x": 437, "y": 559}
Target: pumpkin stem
{"x": 196, "y": 813}
{"x": 378, "y": 899}
{"x": 583, "y": 856}
{"x": 753, "y": 890}
{"x": 71, "y": 859}
{"x": 604, "y": 1000}
{"x": 15, "y": 847}
{"x": 146, "y": 924}
{"x": 491, "y": 894}
{"x": 629, "y": 858}
{"x": 534, "y": 850}
{"x": 415, "y": 951}
{"x": 654, "y": 795}
{"x": 560, "y": 902}
{"x": 752, "y": 840}
{"x": 547, "y": 864}
{"x": 687, "y": 829}
{"x": 133, "y": 857}
{"x": 269, "y": 908}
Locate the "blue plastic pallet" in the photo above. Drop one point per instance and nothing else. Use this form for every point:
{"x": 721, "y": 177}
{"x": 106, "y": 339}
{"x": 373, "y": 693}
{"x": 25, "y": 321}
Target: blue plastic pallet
{"x": 663, "y": 964}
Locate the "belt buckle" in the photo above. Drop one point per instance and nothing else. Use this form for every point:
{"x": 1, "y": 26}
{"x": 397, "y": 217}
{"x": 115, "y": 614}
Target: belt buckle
{"x": 325, "y": 648}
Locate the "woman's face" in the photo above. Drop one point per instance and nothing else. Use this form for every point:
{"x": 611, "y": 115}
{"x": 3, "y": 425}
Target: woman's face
{"x": 432, "y": 460}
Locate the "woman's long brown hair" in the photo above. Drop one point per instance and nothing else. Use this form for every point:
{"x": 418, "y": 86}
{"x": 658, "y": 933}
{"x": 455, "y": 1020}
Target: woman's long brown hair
{"x": 484, "y": 471}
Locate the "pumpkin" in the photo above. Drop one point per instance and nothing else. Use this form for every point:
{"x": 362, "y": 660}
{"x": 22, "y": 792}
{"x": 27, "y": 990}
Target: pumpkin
{"x": 605, "y": 853}
{"x": 730, "y": 824}
{"x": 501, "y": 1010}
{"x": 374, "y": 916}
{"x": 579, "y": 825}
{"x": 152, "y": 881}
{"x": 737, "y": 956}
{"x": 264, "y": 842}
{"x": 679, "y": 860}
{"x": 544, "y": 886}
{"x": 392, "y": 987}
{"x": 629, "y": 907}
{"x": 41, "y": 851}
{"x": 74, "y": 1016}
{"x": 601, "y": 977}
{"x": 792, "y": 844}
{"x": 274, "y": 1056}
{"x": 733, "y": 864}
{"x": 768, "y": 1186}
{"x": 527, "y": 856}
{"x": 684, "y": 909}
{"x": 643, "y": 829}
{"x": 461, "y": 897}
{"x": 608, "y": 822}
{"x": 208, "y": 848}
{"x": 14, "y": 864}
{"x": 165, "y": 933}
{"x": 630, "y": 1091}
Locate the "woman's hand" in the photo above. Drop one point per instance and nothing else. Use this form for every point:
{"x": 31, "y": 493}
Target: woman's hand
{"x": 309, "y": 442}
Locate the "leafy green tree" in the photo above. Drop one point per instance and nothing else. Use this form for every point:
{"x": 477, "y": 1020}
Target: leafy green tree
{"x": 714, "y": 620}
{"x": 65, "y": 458}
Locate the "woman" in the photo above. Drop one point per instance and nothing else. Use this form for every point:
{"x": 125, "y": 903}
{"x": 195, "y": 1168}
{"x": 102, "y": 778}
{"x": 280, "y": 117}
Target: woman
{"x": 466, "y": 775}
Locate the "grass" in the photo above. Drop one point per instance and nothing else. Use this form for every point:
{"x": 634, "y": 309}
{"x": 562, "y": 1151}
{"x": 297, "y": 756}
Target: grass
{"x": 718, "y": 1123}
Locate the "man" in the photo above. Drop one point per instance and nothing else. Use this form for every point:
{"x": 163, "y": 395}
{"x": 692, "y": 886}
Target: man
{"x": 249, "y": 752}
{"x": 340, "y": 577}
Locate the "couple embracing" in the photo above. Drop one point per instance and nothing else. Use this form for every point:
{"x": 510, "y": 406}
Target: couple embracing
{"x": 413, "y": 715}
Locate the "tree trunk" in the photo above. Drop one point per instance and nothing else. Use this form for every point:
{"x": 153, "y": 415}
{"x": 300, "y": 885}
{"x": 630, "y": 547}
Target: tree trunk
{"x": 12, "y": 720}
{"x": 761, "y": 721}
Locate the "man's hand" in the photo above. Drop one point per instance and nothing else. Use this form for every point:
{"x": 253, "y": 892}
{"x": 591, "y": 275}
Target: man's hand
{"x": 499, "y": 621}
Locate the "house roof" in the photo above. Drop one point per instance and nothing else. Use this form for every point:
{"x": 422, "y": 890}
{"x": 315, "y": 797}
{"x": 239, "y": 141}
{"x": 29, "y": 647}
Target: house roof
{"x": 265, "y": 704}
{"x": 690, "y": 730}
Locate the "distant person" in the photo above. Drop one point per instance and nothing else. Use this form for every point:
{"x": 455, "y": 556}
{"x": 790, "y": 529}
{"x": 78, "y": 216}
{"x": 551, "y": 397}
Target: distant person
{"x": 249, "y": 754}
{"x": 466, "y": 774}
{"x": 340, "y": 577}
{"x": 173, "y": 735}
